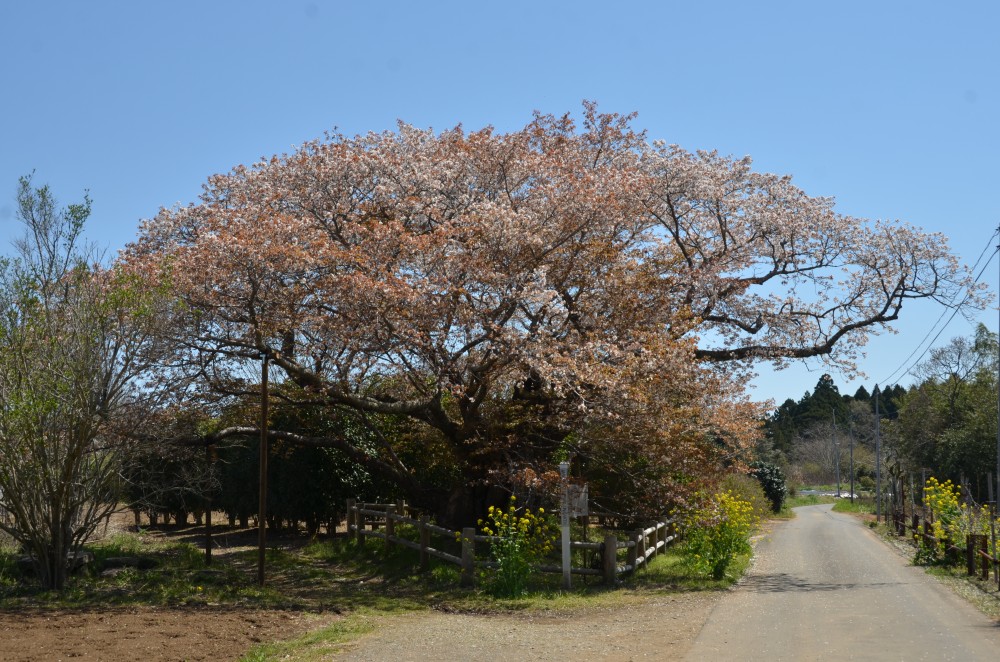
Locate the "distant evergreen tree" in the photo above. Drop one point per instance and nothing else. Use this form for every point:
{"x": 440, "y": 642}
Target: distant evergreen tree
{"x": 781, "y": 428}
{"x": 789, "y": 422}
{"x": 889, "y": 401}
{"x": 822, "y": 405}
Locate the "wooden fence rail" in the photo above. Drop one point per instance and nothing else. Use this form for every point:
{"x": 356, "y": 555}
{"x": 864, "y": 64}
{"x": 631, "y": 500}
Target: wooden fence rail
{"x": 381, "y": 521}
{"x": 976, "y": 550}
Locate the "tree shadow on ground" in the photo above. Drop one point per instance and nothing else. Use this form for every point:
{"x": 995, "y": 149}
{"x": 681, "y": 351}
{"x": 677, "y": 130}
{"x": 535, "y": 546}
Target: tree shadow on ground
{"x": 784, "y": 583}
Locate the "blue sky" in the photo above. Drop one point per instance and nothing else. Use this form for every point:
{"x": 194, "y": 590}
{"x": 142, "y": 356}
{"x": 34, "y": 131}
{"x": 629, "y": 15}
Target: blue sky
{"x": 893, "y": 108}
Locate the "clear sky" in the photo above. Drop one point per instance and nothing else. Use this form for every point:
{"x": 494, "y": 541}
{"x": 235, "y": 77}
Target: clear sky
{"x": 891, "y": 107}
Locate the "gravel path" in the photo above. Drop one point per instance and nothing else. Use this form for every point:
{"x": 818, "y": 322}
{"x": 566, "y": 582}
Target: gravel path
{"x": 654, "y": 627}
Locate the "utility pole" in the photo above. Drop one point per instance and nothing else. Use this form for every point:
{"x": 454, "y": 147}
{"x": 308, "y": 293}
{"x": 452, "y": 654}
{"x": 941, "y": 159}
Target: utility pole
{"x": 996, "y": 495}
{"x": 836, "y": 447}
{"x": 878, "y": 459}
{"x": 851, "y": 432}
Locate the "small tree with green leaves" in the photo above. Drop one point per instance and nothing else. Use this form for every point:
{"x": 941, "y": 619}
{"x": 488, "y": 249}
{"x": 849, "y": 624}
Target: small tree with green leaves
{"x": 72, "y": 338}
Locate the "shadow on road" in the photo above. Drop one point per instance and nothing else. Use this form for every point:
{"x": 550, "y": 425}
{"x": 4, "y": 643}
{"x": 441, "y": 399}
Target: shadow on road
{"x": 782, "y": 582}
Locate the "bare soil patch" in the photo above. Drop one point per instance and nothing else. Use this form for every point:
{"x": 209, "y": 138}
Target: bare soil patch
{"x": 148, "y": 634}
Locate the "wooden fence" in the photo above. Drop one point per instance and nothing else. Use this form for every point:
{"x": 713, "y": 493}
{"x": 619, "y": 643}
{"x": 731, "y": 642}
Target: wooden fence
{"x": 382, "y": 520}
{"x": 976, "y": 550}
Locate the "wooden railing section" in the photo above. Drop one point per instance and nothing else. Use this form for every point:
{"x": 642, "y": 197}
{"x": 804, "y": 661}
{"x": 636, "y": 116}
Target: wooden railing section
{"x": 976, "y": 550}
{"x": 381, "y": 521}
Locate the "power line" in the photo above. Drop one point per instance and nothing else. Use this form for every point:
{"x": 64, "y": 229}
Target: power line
{"x": 900, "y": 372}
{"x": 954, "y": 311}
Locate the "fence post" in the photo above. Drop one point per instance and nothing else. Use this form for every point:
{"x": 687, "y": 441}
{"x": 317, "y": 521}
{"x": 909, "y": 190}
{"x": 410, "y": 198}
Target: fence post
{"x": 610, "y": 555}
{"x": 468, "y": 578}
{"x": 984, "y": 548}
{"x": 970, "y": 554}
{"x": 390, "y": 528}
{"x": 359, "y": 522}
{"x": 915, "y": 523}
{"x": 351, "y": 519}
{"x": 425, "y": 542}
{"x": 633, "y": 551}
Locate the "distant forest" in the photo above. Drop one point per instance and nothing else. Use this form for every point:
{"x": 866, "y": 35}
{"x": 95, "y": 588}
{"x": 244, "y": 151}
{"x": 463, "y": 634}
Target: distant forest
{"x": 943, "y": 425}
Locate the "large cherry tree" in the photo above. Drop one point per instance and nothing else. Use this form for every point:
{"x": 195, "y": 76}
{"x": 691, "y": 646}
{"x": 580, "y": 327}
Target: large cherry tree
{"x": 513, "y": 297}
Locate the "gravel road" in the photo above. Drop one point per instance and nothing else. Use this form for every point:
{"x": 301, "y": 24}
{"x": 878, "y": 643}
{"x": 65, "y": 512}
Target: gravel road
{"x": 823, "y": 587}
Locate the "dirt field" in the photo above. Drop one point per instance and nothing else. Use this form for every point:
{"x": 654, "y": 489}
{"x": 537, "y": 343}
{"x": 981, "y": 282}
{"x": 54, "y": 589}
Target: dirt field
{"x": 146, "y": 634}
{"x": 662, "y": 627}
{"x": 120, "y": 634}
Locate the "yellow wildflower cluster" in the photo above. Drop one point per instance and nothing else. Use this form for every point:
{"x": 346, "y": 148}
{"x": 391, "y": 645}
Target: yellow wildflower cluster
{"x": 951, "y": 520}
{"x": 520, "y": 537}
{"x": 719, "y": 531}
{"x": 941, "y": 498}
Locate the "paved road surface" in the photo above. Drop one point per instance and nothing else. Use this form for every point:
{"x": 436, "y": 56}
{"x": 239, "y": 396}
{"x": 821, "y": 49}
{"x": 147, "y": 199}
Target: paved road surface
{"x": 822, "y": 587}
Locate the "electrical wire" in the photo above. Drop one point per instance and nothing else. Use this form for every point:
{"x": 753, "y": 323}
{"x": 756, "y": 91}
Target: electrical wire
{"x": 899, "y": 372}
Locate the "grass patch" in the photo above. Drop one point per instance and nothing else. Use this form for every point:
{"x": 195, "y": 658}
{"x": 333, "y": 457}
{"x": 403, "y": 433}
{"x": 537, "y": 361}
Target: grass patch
{"x": 806, "y": 500}
{"x": 318, "y": 644}
{"x": 862, "y": 505}
{"x": 166, "y": 573}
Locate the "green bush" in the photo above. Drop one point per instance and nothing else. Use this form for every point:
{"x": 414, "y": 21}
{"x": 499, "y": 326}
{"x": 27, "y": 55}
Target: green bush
{"x": 746, "y": 488}
{"x": 772, "y": 479}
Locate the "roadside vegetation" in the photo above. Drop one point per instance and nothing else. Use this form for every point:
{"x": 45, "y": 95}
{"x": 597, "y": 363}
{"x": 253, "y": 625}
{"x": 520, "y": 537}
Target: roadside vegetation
{"x": 365, "y": 584}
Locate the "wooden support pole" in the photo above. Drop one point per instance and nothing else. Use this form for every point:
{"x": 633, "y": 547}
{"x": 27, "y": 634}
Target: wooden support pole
{"x": 468, "y": 578}
{"x": 208, "y": 508}
{"x": 985, "y": 568}
{"x": 425, "y": 542}
{"x": 262, "y": 503}
{"x": 610, "y": 555}
{"x": 390, "y": 529}
{"x": 633, "y": 551}
{"x": 352, "y": 515}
